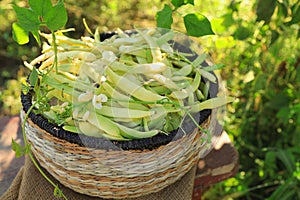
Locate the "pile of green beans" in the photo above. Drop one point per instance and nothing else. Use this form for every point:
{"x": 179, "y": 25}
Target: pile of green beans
{"x": 126, "y": 87}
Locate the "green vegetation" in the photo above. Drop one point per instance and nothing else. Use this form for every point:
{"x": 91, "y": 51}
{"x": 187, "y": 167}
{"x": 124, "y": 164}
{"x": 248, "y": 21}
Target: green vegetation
{"x": 258, "y": 41}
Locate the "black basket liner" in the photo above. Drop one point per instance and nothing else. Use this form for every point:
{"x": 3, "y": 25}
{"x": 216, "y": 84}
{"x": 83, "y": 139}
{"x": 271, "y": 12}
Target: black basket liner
{"x": 102, "y": 143}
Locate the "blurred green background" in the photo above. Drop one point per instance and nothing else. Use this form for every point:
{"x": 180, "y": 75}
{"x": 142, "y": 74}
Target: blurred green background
{"x": 257, "y": 40}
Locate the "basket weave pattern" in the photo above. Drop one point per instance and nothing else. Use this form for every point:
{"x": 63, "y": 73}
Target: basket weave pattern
{"x": 113, "y": 173}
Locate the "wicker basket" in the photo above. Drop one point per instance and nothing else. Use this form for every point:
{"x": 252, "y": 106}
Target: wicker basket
{"x": 113, "y": 173}
{"x": 113, "y": 169}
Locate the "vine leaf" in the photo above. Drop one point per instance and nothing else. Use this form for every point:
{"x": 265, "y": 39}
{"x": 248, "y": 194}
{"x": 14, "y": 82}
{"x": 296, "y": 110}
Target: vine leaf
{"x": 36, "y": 37}
{"x": 190, "y": 2}
{"x": 57, "y": 17}
{"x": 197, "y": 25}
{"x": 33, "y": 78}
{"x": 19, "y": 34}
{"x": 20, "y": 150}
{"x": 179, "y": 3}
{"x": 28, "y": 19}
{"x": 214, "y": 67}
{"x": 41, "y": 13}
{"x": 164, "y": 17}
{"x": 40, "y": 7}
{"x": 57, "y": 192}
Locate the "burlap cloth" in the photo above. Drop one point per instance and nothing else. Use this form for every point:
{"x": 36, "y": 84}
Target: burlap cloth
{"x": 30, "y": 185}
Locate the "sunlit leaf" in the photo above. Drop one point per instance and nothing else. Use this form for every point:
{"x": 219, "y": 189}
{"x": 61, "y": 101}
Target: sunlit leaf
{"x": 197, "y": 25}
{"x": 25, "y": 88}
{"x": 164, "y": 17}
{"x": 214, "y": 67}
{"x": 57, "y": 17}
{"x": 189, "y": 2}
{"x": 36, "y": 37}
{"x": 57, "y": 192}
{"x": 34, "y": 76}
{"x": 19, "y": 150}
{"x": 40, "y": 7}
{"x": 27, "y": 19}
{"x": 19, "y": 34}
{"x": 177, "y": 3}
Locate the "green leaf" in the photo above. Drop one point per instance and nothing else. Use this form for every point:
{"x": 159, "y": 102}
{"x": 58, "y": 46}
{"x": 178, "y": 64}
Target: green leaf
{"x": 36, "y": 36}
{"x": 19, "y": 34}
{"x": 34, "y": 76}
{"x": 284, "y": 113}
{"x": 214, "y": 67}
{"x": 197, "y": 25}
{"x": 283, "y": 191}
{"x": 20, "y": 151}
{"x": 57, "y": 192}
{"x": 28, "y": 20}
{"x": 177, "y": 3}
{"x": 27, "y": 149}
{"x": 296, "y": 15}
{"x": 275, "y": 36}
{"x": 287, "y": 159}
{"x": 40, "y": 7}
{"x": 189, "y": 2}
{"x": 57, "y": 17}
{"x": 242, "y": 33}
{"x": 25, "y": 88}
{"x": 265, "y": 10}
{"x": 282, "y": 9}
{"x": 164, "y": 17}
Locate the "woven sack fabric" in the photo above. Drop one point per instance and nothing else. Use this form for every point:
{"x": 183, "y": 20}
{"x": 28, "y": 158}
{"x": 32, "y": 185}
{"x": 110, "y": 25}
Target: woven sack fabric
{"x": 29, "y": 184}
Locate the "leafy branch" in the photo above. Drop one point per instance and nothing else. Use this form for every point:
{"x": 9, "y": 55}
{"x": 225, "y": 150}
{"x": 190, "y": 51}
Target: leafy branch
{"x": 40, "y": 14}
{"x": 195, "y": 23}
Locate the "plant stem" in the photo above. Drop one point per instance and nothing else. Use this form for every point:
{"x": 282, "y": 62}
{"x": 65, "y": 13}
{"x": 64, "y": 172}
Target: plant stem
{"x": 30, "y": 154}
{"x": 43, "y": 173}
{"x": 24, "y": 122}
{"x": 54, "y": 65}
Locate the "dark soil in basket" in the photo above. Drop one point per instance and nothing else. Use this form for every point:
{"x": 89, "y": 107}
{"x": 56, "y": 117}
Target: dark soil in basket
{"x": 102, "y": 143}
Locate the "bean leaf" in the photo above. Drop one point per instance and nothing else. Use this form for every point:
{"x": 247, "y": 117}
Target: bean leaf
{"x": 177, "y": 3}
{"x": 214, "y": 67}
{"x": 20, "y": 150}
{"x": 164, "y": 17}
{"x": 36, "y": 37}
{"x": 57, "y": 192}
{"x": 19, "y": 34}
{"x": 41, "y": 12}
{"x": 189, "y": 2}
{"x": 34, "y": 76}
{"x": 40, "y": 7}
{"x": 28, "y": 19}
{"x": 197, "y": 25}
{"x": 57, "y": 17}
